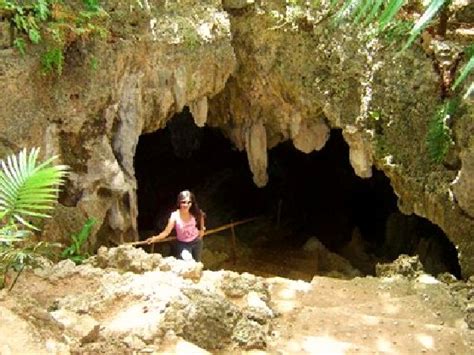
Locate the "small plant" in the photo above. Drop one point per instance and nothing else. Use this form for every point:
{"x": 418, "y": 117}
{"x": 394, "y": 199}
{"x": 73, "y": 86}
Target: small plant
{"x": 439, "y": 139}
{"x": 74, "y": 251}
{"x": 92, "y": 5}
{"x": 54, "y": 24}
{"x": 17, "y": 257}
{"x": 389, "y": 17}
{"x": 52, "y": 61}
{"x": 94, "y": 63}
{"x": 27, "y": 18}
{"x": 190, "y": 37}
{"x": 28, "y": 190}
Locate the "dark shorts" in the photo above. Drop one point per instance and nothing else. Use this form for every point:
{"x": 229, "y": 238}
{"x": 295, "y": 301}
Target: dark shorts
{"x": 188, "y": 250}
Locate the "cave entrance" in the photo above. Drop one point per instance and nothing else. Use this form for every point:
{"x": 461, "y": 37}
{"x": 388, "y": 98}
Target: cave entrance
{"x": 313, "y": 204}
{"x": 183, "y": 156}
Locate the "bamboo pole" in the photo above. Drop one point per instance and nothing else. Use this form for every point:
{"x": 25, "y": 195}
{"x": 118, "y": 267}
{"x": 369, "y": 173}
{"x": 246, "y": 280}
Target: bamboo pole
{"x": 207, "y": 232}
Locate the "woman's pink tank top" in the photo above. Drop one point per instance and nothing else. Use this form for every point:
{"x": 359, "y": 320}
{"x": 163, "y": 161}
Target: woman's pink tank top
{"x": 185, "y": 231}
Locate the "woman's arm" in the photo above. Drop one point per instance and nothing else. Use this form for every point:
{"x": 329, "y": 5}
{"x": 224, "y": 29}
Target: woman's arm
{"x": 166, "y": 232}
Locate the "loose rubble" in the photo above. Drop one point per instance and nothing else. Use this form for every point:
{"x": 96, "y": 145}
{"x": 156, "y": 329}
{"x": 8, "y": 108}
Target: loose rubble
{"x": 124, "y": 300}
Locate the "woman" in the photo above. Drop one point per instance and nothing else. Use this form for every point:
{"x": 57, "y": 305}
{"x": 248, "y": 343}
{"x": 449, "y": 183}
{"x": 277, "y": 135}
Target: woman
{"x": 188, "y": 220}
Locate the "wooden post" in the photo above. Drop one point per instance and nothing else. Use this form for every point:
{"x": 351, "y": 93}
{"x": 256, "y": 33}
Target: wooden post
{"x": 234, "y": 244}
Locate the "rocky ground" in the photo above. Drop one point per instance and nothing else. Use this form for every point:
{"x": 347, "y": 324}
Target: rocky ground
{"x": 124, "y": 300}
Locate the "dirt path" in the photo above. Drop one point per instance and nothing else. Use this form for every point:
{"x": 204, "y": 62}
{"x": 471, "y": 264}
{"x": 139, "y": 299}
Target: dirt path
{"x": 118, "y": 311}
{"x": 368, "y": 316}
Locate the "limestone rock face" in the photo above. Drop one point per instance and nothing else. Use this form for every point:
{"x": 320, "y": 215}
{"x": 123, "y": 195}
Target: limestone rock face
{"x": 463, "y": 185}
{"x": 295, "y": 74}
{"x": 160, "y": 58}
{"x": 261, "y": 72}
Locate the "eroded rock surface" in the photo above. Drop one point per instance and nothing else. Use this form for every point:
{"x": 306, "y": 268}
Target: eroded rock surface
{"x": 263, "y": 73}
{"x": 68, "y": 309}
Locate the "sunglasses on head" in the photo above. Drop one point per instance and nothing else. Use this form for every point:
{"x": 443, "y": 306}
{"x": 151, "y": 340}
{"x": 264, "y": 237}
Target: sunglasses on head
{"x": 185, "y": 202}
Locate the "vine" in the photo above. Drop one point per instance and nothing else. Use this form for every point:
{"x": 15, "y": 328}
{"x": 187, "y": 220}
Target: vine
{"x": 54, "y": 24}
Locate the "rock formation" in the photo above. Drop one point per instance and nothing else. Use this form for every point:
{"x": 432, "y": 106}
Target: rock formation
{"x": 263, "y": 73}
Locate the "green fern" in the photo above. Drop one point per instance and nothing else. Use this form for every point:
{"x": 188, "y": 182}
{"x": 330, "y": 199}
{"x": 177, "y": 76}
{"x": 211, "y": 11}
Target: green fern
{"x": 92, "y": 5}
{"x": 52, "y": 61}
{"x": 20, "y": 44}
{"x": 35, "y": 22}
{"x": 438, "y": 138}
{"x": 41, "y": 9}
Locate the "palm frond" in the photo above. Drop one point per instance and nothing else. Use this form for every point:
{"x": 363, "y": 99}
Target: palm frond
{"x": 469, "y": 92}
{"x": 347, "y": 10}
{"x": 433, "y": 8}
{"x": 374, "y": 11}
{"x": 466, "y": 69}
{"x": 363, "y": 9}
{"x": 9, "y": 234}
{"x": 28, "y": 188}
{"x": 389, "y": 13}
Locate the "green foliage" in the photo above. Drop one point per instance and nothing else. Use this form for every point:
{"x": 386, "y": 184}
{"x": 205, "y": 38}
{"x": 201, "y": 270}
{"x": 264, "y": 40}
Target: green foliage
{"x": 397, "y": 30}
{"x": 384, "y": 13}
{"x": 375, "y": 115}
{"x": 28, "y": 190}
{"x": 74, "y": 251}
{"x": 392, "y": 27}
{"x": 356, "y": 10}
{"x": 55, "y": 23}
{"x": 433, "y": 9}
{"x": 27, "y": 19}
{"x": 92, "y": 5}
{"x": 439, "y": 134}
{"x": 20, "y": 44}
{"x": 17, "y": 257}
{"x": 467, "y": 68}
{"x": 469, "y": 91}
{"x": 52, "y": 61}
{"x": 94, "y": 63}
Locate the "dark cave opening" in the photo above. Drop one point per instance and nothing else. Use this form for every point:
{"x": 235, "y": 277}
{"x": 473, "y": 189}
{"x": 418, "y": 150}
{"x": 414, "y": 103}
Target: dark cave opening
{"x": 183, "y": 156}
{"x": 308, "y": 195}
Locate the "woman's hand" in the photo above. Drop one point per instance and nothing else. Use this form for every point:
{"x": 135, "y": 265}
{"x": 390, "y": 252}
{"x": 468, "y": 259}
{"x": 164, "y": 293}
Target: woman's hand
{"x": 150, "y": 240}
{"x": 155, "y": 238}
{"x": 201, "y": 233}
